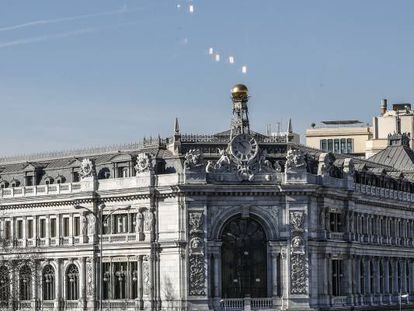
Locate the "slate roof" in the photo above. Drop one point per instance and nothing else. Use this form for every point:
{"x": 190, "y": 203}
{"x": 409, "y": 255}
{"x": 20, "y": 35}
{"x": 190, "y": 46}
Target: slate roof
{"x": 399, "y": 157}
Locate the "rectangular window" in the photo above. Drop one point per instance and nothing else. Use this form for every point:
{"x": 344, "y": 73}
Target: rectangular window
{"x": 75, "y": 177}
{"x": 350, "y": 145}
{"x": 29, "y": 181}
{"x": 336, "y": 277}
{"x": 336, "y": 145}
{"x": 121, "y": 223}
{"x": 330, "y": 145}
{"x": 7, "y": 230}
{"x": 343, "y": 145}
{"x": 66, "y": 226}
{"x": 133, "y": 222}
{"x": 19, "y": 229}
{"x": 323, "y": 145}
{"x": 335, "y": 222}
{"x": 52, "y": 227}
{"x": 76, "y": 226}
{"x": 42, "y": 229}
{"x": 30, "y": 228}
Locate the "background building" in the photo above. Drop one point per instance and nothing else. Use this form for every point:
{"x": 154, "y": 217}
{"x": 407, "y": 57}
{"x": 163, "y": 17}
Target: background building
{"x": 231, "y": 221}
{"x": 340, "y": 136}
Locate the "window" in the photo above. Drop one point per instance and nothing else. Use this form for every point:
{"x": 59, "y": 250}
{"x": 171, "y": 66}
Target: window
{"x": 371, "y": 277}
{"x": 75, "y": 177}
{"x": 7, "y": 230}
{"x": 123, "y": 172}
{"x": 5, "y": 285}
{"x": 29, "y": 181}
{"x": 382, "y": 277}
{"x": 336, "y": 145}
{"x": 30, "y": 228}
{"x": 337, "y": 277}
{"x": 343, "y": 145}
{"x": 25, "y": 280}
{"x": 76, "y": 226}
{"x": 407, "y": 277}
{"x": 390, "y": 277}
{"x": 48, "y": 283}
{"x": 121, "y": 223}
{"x": 399, "y": 278}
{"x": 120, "y": 278}
{"x": 42, "y": 229}
{"x": 330, "y": 145}
{"x": 133, "y": 222}
{"x": 52, "y": 227}
{"x": 19, "y": 229}
{"x": 324, "y": 146}
{"x": 134, "y": 279}
{"x": 335, "y": 222}
{"x": 350, "y": 145}
{"x": 72, "y": 282}
{"x": 362, "y": 277}
{"x": 106, "y": 277}
{"x": 66, "y": 226}
{"x": 60, "y": 179}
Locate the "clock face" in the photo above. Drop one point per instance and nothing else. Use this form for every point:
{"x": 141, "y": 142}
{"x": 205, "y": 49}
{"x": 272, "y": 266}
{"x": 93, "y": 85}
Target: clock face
{"x": 244, "y": 147}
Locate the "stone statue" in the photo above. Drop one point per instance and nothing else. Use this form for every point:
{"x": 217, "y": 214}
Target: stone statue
{"x": 193, "y": 158}
{"x": 295, "y": 160}
{"x": 140, "y": 223}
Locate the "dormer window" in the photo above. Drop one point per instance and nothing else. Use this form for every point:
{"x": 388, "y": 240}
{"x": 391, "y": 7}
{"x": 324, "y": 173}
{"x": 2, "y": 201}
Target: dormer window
{"x": 49, "y": 180}
{"x": 75, "y": 176}
{"x": 3, "y": 184}
{"x": 14, "y": 183}
{"x": 60, "y": 179}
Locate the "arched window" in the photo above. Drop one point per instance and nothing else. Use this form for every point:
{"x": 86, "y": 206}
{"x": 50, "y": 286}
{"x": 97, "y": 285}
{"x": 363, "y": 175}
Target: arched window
{"x": 25, "y": 280}
{"x": 48, "y": 180}
{"x": 3, "y": 184}
{"x": 48, "y": 283}
{"x": 60, "y": 179}
{"x": 72, "y": 282}
{"x": 14, "y": 183}
{"x": 4, "y": 285}
{"x": 104, "y": 173}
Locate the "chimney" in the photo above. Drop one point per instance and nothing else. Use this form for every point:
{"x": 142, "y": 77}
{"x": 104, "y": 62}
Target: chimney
{"x": 383, "y": 106}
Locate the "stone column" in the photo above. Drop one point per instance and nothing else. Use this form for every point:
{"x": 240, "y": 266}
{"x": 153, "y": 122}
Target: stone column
{"x": 217, "y": 274}
{"x": 139, "y": 283}
{"x": 58, "y": 284}
{"x": 82, "y": 281}
{"x": 274, "y": 256}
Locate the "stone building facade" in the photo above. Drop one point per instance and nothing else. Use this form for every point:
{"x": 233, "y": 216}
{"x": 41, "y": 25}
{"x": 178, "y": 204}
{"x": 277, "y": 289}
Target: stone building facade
{"x": 230, "y": 221}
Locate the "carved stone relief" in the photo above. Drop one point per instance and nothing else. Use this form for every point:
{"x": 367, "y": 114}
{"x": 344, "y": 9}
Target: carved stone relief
{"x": 298, "y": 258}
{"x": 91, "y": 224}
{"x": 197, "y": 270}
{"x": 146, "y": 275}
{"x": 144, "y": 163}
{"x": 89, "y": 273}
{"x": 86, "y": 168}
{"x": 193, "y": 158}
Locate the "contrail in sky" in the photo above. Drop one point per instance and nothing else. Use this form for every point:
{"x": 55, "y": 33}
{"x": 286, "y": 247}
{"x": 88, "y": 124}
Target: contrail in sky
{"x": 60, "y": 35}
{"x": 69, "y": 18}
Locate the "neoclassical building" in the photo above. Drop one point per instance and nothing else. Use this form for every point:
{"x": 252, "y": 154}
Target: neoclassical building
{"x": 231, "y": 221}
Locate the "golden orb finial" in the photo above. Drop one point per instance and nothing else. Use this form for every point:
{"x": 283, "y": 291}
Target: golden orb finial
{"x": 239, "y": 92}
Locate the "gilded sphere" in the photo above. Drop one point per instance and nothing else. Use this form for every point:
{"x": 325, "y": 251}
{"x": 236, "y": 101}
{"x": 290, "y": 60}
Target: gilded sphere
{"x": 239, "y": 91}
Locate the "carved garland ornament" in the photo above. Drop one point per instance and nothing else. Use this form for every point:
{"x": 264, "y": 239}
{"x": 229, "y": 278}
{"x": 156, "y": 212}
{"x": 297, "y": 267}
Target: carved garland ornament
{"x": 144, "y": 163}
{"x": 197, "y": 270}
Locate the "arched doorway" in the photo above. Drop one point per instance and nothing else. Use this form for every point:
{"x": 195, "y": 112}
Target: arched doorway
{"x": 244, "y": 259}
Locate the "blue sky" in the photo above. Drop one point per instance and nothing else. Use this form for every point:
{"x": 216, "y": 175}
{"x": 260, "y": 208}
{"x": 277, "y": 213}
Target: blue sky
{"x": 88, "y": 73}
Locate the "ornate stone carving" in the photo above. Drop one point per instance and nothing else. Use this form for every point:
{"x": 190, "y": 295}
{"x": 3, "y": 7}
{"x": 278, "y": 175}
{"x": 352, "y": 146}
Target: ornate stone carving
{"x": 325, "y": 165}
{"x": 86, "y": 168}
{"x": 89, "y": 272}
{"x": 298, "y": 274}
{"x": 349, "y": 168}
{"x": 296, "y": 220}
{"x": 243, "y": 170}
{"x": 140, "y": 222}
{"x": 144, "y": 163}
{"x": 91, "y": 224}
{"x": 197, "y": 276}
{"x": 146, "y": 275}
{"x": 197, "y": 270}
{"x": 196, "y": 221}
{"x": 148, "y": 221}
{"x": 298, "y": 258}
{"x": 295, "y": 160}
{"x": 84, "y": 225}
{"x": 193, "y": 158}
